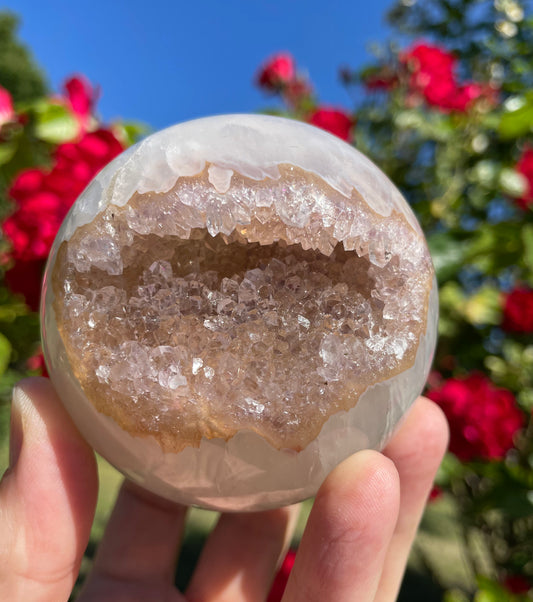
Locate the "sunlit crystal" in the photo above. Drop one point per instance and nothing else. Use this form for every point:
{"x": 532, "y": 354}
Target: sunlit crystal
{"x": 234, "y": 306}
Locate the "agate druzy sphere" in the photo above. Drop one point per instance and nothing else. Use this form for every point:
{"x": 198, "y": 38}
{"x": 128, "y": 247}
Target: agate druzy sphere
{"x": 235, "y": 305}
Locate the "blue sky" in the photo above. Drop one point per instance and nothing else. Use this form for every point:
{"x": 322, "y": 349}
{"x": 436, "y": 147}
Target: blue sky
{"x": 163, "y": 61}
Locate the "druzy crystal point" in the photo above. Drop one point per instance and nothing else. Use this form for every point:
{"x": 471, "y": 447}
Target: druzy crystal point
{"x": 235, "y": 305}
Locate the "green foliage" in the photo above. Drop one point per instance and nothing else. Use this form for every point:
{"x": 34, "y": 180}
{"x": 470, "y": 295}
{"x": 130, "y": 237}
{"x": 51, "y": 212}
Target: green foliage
{"x": 517, "y": 119}
{"x": 455, "y": 596}
{"x": 54, "y": 123}
{"x": 494, "y": 38}
{"x": 18, "y": 72}
{"x": 20, "y": 147}
{"x": 5, "y": 353}
{"x": 458, "y": 168}
{"x": 28, "y": 141}
{"x": 459, "y": 171}
{"x": 492, "y": 591}
{"x": 129, "y": 133}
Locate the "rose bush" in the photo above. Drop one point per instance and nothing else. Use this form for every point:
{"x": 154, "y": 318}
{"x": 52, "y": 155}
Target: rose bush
{"x": 279, "y": 75}
{"x": 448, "y": 118}
{"x": 432, "y": 75}
{"x": 69, "y": 147}
{"x": 43, "y": 197}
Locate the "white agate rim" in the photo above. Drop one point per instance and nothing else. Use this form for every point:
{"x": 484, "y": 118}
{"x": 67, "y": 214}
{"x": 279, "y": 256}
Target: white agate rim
{"x": 252, "y": 145}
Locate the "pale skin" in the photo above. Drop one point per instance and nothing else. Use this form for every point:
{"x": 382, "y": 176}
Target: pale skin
{"x": 354, "y": 548}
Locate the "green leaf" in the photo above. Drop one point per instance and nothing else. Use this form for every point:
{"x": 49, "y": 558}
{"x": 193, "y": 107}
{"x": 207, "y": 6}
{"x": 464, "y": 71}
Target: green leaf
{"x": 451, "y": 296}
{"x": 54, "y": 122}
{"x": 431, "y": 125}
{"x": 512, "y": 182}
{"x": 497, "y": 366}
{"x": 494, "y": 246}
{"x": 448, "y": 254}
{"x": 492, "y": 591}
{"x": 12, "y": 310}
{"x": 484, "y": 307}
{"x": 485, "y": 172}
{"x": 5, "y": 353}
{"x": 511, "y": 498}
{"x": 527, "y": 239}
{"x": 131, "y": 132}
{"x": 517, "y": 121}
{"x": 7, "y": 381}
{"x": 525, "y": 399}
{"x": 455, "y": 596}
{"x": 7, "y": 151}
{"x": 24, "y": 334}
{"x": 450, "y": 468}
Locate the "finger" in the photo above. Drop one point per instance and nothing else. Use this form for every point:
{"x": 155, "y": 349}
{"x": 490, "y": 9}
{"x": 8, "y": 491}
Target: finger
{"x": 47, "y": 498}
{"x": 350, "y": 526}
{"x": 240, "y": 558}
{"x": 140, "y": 544}
{"x": 416, "y": 450}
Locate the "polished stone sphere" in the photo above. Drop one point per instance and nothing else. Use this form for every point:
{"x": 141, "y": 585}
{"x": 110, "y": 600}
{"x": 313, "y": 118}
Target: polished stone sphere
{"x": 235, "y": 305}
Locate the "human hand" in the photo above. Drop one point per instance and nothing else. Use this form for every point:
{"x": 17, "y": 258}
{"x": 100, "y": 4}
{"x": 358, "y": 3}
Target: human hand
{"x": 355, "y": 545}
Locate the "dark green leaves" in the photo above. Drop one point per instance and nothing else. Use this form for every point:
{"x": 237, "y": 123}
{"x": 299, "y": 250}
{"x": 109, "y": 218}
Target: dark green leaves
{"x": 517, "y": 120}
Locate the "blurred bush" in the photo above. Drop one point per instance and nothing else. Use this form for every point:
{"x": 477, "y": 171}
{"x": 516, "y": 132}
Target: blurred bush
{"x": 448, "y": 115}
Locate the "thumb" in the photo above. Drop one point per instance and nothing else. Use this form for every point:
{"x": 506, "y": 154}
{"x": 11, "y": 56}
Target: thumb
{"x": 47, "y": 498}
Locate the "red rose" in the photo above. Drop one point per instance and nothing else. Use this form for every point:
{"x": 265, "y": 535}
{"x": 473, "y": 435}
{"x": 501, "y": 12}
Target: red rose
{"x": 81, "y": 97}
{"x": 88, "y": 156}
{"x": 36, "y": 363}
{"x": 428, "y": 63}
{"x": 466, "y": 95}
{"x": 67, "y": 184}
{"x": 432, "y": 76}
{"x": 69, "y": 161}
{"x": 335, "y": 121}
{"x": 7, "y": 112}
{"x": 435, "y": 493}
{"x": 442, "y": 93}
{"x": 518, "y": 311}
{"x": 26, "y": 184}
{"x": 277, "y": 72}
{"x": 525, "y": 167}
{"x": 483, "y": 418}
{"x": 282, "y": 576}
{"x": 33, "y": 227}
{"x": 517, "y": 584}
{"x": 77, "y": 163}
{"x": 25, "y": 278}
{"x": 98, "y": 148}
{"x": 45, "y": 198}
{"x": 449, "y": 96}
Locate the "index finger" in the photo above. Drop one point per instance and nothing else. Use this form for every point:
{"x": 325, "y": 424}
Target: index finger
{"x": 344, "y": 544}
